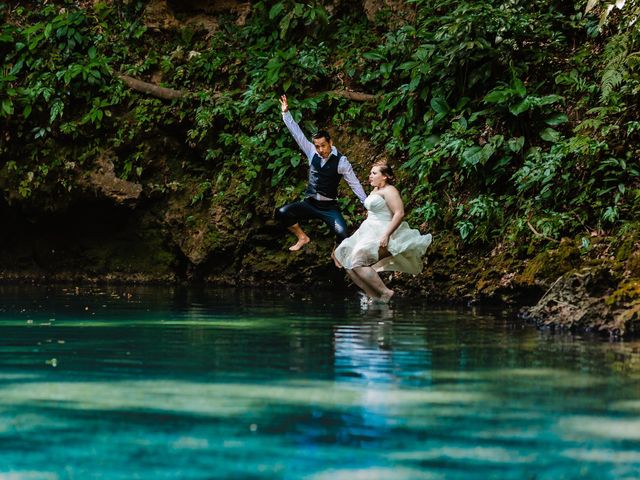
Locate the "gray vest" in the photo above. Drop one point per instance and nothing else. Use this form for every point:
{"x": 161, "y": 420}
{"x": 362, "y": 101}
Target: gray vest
{"x": 324, "y": 180}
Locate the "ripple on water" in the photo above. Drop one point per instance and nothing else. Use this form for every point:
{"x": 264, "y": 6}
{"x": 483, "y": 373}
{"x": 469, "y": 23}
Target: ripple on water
{"x": 248, "y": 384}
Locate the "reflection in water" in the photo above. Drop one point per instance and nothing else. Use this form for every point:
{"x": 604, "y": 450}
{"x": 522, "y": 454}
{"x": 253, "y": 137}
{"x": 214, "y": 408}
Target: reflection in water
{"x": 186, "y": 383}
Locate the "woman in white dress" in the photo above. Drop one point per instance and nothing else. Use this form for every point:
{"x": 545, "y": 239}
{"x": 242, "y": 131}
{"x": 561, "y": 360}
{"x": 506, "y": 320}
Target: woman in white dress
{"x": 383, "y": 242}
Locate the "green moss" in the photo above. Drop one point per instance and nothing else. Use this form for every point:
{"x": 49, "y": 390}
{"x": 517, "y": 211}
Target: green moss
{"x": 627, "y": 248}
{"x": 214, "y": 240}
{"x": 633, "y": 265}
{"x": 627, "y": 292}
{"x": 547, "y": 266}
{"x": 446, "y": 246}
{"x": 626, "y": 241}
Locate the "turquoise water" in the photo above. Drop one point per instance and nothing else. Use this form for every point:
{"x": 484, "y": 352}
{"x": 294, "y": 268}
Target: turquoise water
{"x": 156, "y": 383}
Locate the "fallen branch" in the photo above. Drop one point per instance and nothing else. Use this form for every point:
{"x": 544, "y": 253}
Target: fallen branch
{"x": 171, "y": 94}
{"x": 531, "y": 227}
{"x": 150, "y": 88}
{"x": 350, "y": 95}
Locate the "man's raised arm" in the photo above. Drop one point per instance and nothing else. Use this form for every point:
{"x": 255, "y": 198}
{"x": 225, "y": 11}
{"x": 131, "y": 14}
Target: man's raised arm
{"x": 305, "y": 145}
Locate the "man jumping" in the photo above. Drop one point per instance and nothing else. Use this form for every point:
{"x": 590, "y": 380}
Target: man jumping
{"x": 326, "y": 166}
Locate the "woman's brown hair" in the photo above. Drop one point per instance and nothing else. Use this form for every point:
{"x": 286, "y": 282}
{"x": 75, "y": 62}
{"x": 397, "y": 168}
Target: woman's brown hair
{"x": 386, "y": 170}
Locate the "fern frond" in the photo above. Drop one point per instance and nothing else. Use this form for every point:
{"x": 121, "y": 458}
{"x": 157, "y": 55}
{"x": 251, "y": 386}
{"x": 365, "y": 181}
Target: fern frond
{"x": 611, "y": 79}
{"x": 615, "y": 71}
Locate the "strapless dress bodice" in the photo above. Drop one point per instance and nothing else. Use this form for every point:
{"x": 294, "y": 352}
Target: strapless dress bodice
{"x": 377, "y": 208}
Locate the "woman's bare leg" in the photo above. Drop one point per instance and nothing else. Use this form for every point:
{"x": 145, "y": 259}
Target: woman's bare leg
{"x": 335, "y": 260}
{"x": 363, "y": 286}
{"x": 371, "y": 278}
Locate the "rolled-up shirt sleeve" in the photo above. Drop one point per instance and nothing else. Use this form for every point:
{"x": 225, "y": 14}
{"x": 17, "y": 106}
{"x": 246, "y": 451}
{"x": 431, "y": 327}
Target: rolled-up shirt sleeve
{"x": 305, "y": 145}
{"x": 346, "y": 170}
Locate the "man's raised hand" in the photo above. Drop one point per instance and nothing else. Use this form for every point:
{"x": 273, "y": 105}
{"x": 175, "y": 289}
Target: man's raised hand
{"x": 284, "y": 104}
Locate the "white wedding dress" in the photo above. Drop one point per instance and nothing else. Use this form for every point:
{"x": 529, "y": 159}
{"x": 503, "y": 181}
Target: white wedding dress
{"x": 406, "y": 245}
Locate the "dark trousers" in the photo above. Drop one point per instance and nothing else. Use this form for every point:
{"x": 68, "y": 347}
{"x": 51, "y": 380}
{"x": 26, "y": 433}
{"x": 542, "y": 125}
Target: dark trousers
{"x": 325, "y": 210}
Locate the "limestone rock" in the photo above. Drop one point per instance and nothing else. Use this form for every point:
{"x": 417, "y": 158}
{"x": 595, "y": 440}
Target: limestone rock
{"x": 103, "y": 180}
{"x": 199, "y": 14}
{"x": 399, "y": 9}
{"x": 589, "y": 299}
{"x": 158, "y": 15}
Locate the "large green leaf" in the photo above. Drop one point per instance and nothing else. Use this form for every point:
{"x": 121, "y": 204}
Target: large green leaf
{"x": 519, "y": 87}
{"x": 556, "y": 119}
{"x": 440, "y": 105}
{"x": 497, "y": 96}
{"x": 7, "y": 107}
{"x": 478, "y": 155}
{"x": 516, "y": 144}
{"x": 550, "y": 135}
{"x": 374, "y": 56}
{"x": 520, "y": 107}
{"x": 276, "y": 10}
{"x": 549, "y": 99}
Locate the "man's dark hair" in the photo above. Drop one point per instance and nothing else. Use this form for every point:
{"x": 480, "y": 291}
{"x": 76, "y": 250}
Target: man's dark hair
{"x": 321, "y": 134}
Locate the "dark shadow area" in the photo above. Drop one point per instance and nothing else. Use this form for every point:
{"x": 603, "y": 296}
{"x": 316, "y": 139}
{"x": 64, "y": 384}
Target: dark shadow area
{"x": 89, "y": 238}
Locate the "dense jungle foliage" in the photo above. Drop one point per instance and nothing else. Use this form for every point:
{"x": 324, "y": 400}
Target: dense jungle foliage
{"x": 513, "y": 120}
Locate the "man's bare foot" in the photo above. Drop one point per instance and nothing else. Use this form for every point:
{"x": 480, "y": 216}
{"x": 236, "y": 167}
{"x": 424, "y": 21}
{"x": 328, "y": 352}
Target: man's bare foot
{"x": 386, "y": 296}
{"x": 301, "y": 243}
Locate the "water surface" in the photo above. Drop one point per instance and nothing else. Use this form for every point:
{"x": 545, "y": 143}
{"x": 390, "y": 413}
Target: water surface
{"x": 159, "y": 383}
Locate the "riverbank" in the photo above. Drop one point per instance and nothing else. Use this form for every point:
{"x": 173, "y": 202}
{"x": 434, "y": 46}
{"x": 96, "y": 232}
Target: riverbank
{"x": 567, "y": 285}
{"x": 142, "y": 142}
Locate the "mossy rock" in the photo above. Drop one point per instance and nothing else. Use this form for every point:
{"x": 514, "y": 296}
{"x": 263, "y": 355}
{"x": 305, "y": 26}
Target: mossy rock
{"x": 625, "y": 306}
{"x": 549, "y": 265}
{"x": 633, "y": 265}
{"x": 624, "y": 242}
{"x": 627, "y": 292}
{"x": 591, "y": 299}
{"x": 627, "y": 249}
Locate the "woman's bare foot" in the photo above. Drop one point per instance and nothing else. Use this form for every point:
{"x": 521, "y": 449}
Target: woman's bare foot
{"x": 302, "y": 241}
{"x": 386, "y": 296}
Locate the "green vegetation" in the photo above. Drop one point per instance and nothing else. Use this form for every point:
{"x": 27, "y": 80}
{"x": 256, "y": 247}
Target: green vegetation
{"x": 509, "y": 120}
